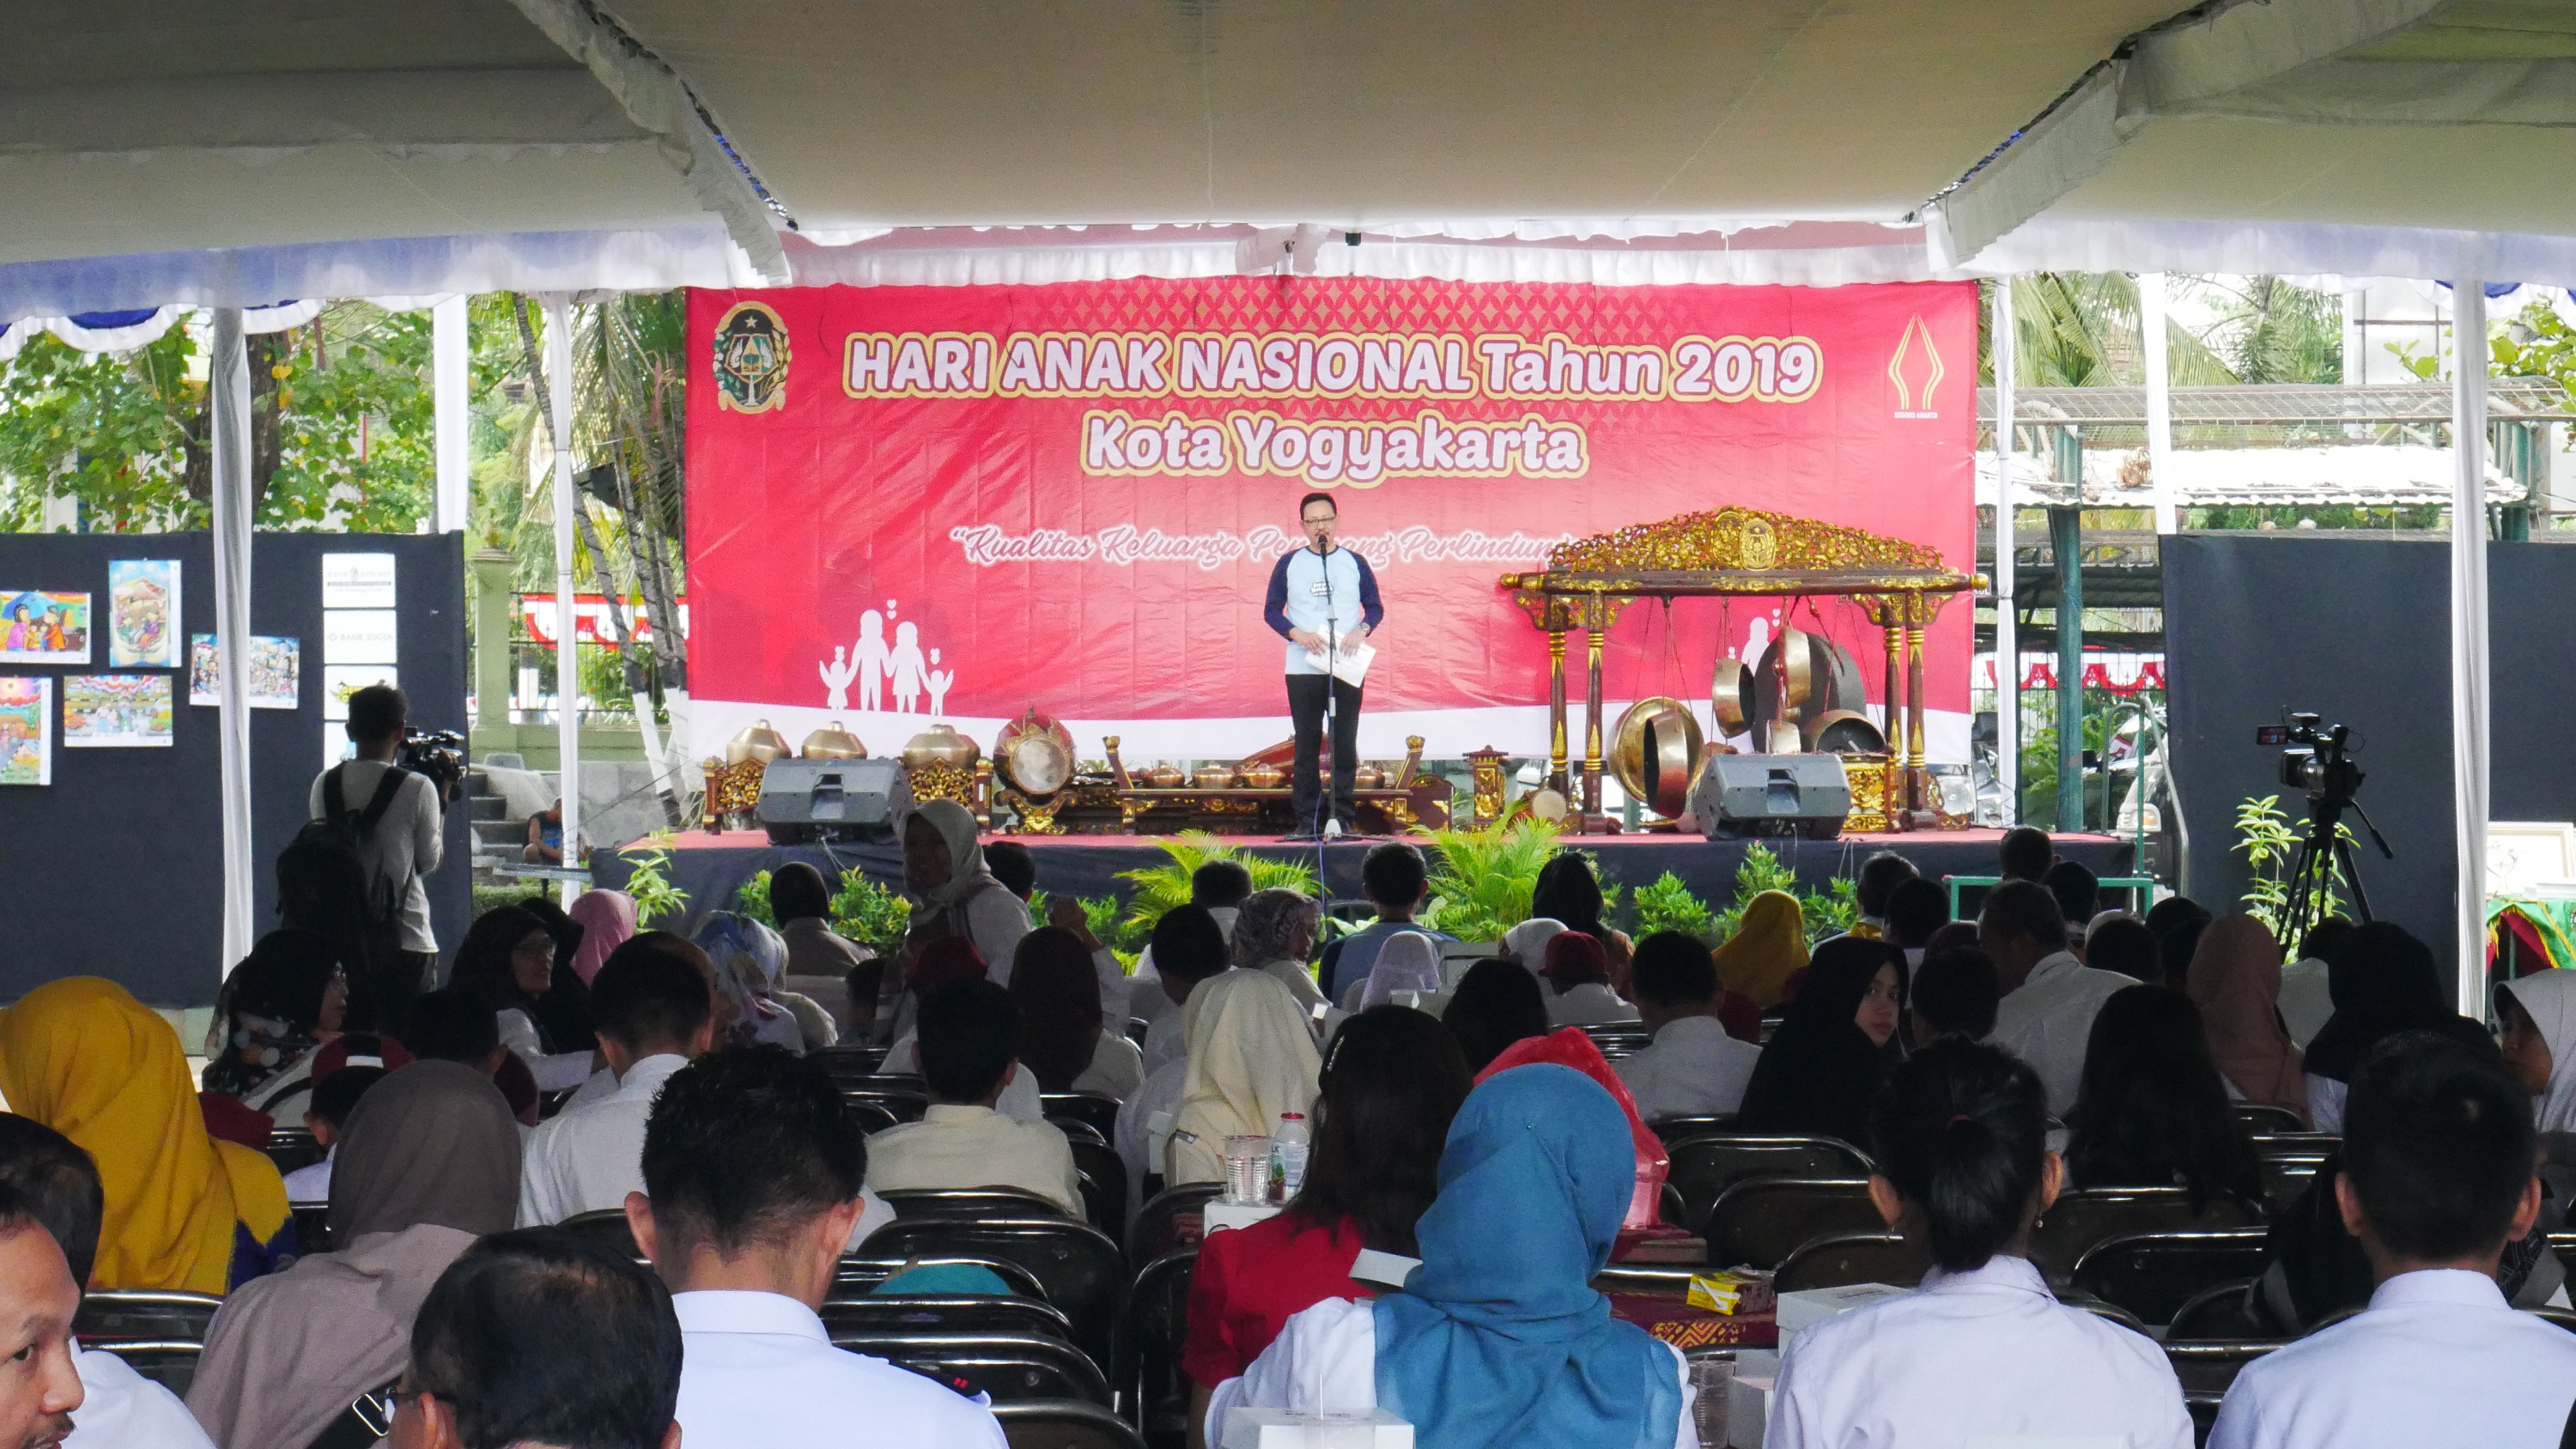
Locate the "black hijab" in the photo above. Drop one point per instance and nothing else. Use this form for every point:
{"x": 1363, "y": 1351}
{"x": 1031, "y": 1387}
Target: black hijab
{"x": 563, "y": 1013}
{"x": 1820, "y": 1072}
{"x": 2383, "y": 981}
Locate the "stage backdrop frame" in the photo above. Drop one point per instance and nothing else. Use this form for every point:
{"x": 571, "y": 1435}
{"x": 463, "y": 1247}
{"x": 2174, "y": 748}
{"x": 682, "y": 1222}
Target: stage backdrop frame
{"x": 121, "y": 857}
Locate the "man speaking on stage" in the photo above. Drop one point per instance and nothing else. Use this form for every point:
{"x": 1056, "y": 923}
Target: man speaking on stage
{"x": 1323, "y": 599}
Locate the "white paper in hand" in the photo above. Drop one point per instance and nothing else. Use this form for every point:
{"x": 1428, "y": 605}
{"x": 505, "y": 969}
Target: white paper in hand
{"x": 1351, "y": 665}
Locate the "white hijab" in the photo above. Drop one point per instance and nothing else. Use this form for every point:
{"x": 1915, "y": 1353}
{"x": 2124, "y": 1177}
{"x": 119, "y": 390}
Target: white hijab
{"x": 1251, "y": 1059}
{"x": 2550, "y": 998}
{"x": 1528, "y": 941}
{"x": 1408, "y": 961}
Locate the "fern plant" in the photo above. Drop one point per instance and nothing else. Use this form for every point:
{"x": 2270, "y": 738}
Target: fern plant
{"x": 1828, "y": 912}
{"x": 1481, "y": 880}
{"x": 648, "y": 881}
{"x": 752, "y": 899}
{"x": 1159, "y": 888}
{"x": 1668, "y": 905}
{"x": 870, "y": 914}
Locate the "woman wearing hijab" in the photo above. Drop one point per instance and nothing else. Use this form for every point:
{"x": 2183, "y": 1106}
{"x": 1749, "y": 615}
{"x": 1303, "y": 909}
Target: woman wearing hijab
{"x": 1274, "y": 933}
{"x": 285, "y": 999}
{"x": 430, "y": 1162}
{"x": 1409, "y": 961}
{"x": 1823, "y": 1066}
{"x": 954, "y": 958}
{"x": 1061, "y": 1036}
{"x": 563, "y": 1008}
{"x": 183, "y": 1211}
{"x": 2538, "y": 1013}
{"x": 607, "y": 920}
{"x": 1568, "y": 893}
{"x": 505, "y": 963}
{"x": 2235, "y": 980}
{"x": 1525, "y": 945}
{"x": 1577, "y": 971}
{"x": 1769, "y": 946}
{"x": 2384, "y": 982}
{"x": 1499, "y": 1340}
{"x": 952, "y": 893}
{"x": 1251, "y": 1058}
{"x": 749, "y": 960}
{"x": 1497, "y": 1004}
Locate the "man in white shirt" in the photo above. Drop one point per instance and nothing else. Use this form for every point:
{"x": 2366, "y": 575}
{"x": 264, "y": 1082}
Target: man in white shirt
{"x": 1692, "y": 1068}
{"x": 59, "y": 1184}
{"x": 2050, "y": 998}
{"x": 970, "y": 1047}
{"x": 752, "y": 1177}
{"x": 400, "y": 841}
{"x": 655, "y": 1012}
{"x": 1221, "y": 887}
{"x": 2437, "y": 1179}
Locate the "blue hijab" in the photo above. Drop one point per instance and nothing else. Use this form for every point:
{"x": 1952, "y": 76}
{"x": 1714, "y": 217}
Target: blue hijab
{"x": 1498, "y": 1339}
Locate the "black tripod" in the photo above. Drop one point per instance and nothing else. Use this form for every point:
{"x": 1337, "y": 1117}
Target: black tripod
{"x": 2324, "y": 855}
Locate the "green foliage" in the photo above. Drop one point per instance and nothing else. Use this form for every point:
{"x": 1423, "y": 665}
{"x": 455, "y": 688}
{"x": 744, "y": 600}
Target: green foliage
{"x": 1125, "y": 939}
{"x": 493, "y": 897}
{"x": 650, "y": 884}
{"x": 1823, "y": 913}
{"x": 1158, "y": 888}
{"x": 869, "y": 914}
{"x": 1481, "y": 880}
{"x": 752, "y": 899}
{"x": 2268, "y": 330}
{"x": 2269, "y": 840}
{"x": 1668, "y": 905}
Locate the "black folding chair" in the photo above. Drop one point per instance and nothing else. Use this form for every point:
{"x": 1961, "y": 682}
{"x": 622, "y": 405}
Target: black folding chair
{"x": 2221, "y": 1312}
{"x": 858, "y": 1276}
{"x": 1847, "y": 1258}
{"x": 1674, "y": 1129}
{"x": 292, "y": 1148}
{"x": 139, "y": 1315}
{"x": 903, "y": 1106}
{"x": 971, "y": 1202}
{"x": 849, "y": 1063}
{"x": 2154, "y": 1274}
{"x": 1104, "y": 1175}
{"x": 903, "y": 1315}
{"x": 1075, "y": 1130}
{"x": 1174, "y": 1218}
{"x": 869, "y": 1115}
{"x": 1064, "y": 1424}
{"x": 1004, "y": 1366}
{"x": 1703, "y": 1167}
{"x": 2256, "y": 1117}
{"x": 1762, "y": 1220}
{"x": 169, "y": 1362}
{"x": 1158, "y": 1309}
{"x": 2207, "y": 1366}
{"x": 1097, "y": 1110}
{"x": 2084, "y": 1217}
{"x": 1080, "y": 1266}
{"x": 1618, "y": 1039}
{"x": 608, "y": 1228}
{"x": 312, "y": 1226}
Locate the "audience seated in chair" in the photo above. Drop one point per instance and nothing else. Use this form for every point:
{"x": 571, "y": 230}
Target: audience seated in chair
{"x": 538, "y": 1338}
{"x": 953, "y": 958}
{"x": 2153, "y": 1110}
{"x": 1497, "y": 1003}
{"x": 326, "y": 1115}
{"x": 184, "y": 1210}
{"x": 1065, "y": 1040}
{"x": 2025, "y": 853}
{"x": 120, "y": 1409}
{"x": 1954, "y": 994}
{"x": 2123, "y": 945}
{"x": 1767, "y": 951}
{"x": 2307, "y": 997}
{"x": 2436, "y": 1182}
{"x": 2235, "y": 980}
{"x": 802, "y": 906}
{"x": 1499, "y": 1340}
{"x": 2079, "y": 899}
{"x": 2050, "y": 997}
{"x": 1823, "y": 1067}
{"x": 751, "y": 1191}
{"x": 1984, "y": 1351}
{"x": 430, "y": 1163}
{"x": 505, "y": 964}
{"x": 655, "y": 1013}
{"x": 2384, "y": 982}
{"x": 1577, "y": 973}
{"x": 1568, "y": 892}
{"x": 38, "y": 1297}
{"x": 1396, "y": 881}
{"x": 1251, "y": 1060}
{"x": 970, "y": 1045}
{"x": 1274, "y": 932}
{"x": 1916, "y": 909}
{"x": 1392, "y": 1081}
{"x": 1693, "y": 1067}
{"x": 1219, "y": 888}
{"x": 276, "y": 1009}
{"x": 1193, "y": 950}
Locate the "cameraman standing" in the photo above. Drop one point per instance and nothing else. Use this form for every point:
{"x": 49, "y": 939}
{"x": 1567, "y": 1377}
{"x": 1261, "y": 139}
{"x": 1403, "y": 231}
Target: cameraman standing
{"x": 378, "y": 823}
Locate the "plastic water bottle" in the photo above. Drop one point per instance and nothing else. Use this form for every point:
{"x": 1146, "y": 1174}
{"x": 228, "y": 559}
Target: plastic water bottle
{"x": 1288, "y": 1156}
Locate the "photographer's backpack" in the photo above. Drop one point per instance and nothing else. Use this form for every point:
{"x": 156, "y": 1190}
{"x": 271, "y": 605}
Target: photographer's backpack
{"x": 329, "y": 853}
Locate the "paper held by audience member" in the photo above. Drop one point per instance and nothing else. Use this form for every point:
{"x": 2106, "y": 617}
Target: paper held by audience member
{"x": 1350, "y": 662}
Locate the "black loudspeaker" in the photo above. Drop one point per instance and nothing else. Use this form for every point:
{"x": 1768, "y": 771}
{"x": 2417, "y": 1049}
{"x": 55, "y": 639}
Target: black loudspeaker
{"x": 803, "y": 800}
{"x": 1739, "y": 795}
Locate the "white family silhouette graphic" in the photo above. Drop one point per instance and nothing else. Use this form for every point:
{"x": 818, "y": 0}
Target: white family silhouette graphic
{"x": 874, "y": 665}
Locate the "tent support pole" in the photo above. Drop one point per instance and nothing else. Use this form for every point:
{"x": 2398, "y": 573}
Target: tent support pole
{"x": 2007, "y": 631}
{"x": 228, "y": 381}
{"x": 2469, "y": 678}
{"x": 567, "y": 660}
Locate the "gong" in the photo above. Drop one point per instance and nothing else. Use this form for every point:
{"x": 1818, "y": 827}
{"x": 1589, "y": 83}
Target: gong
{"x": 1034, "y": 754}
{"x": 1822, "y": 677}
{"x": 1656, "y": 757}
{"x": 1730, "y": 697}
{"x": 1846, "y": 732}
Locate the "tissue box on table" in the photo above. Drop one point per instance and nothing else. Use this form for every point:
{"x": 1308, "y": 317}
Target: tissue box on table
{"x": 1802, "y": 1310}
{"x": 1288, "y": 1429}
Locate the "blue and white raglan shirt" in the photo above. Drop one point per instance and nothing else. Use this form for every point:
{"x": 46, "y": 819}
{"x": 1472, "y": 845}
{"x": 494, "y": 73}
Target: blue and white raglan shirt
{"x": 1308, "y": 590}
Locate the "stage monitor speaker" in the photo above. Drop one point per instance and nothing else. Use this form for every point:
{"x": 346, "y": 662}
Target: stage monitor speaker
{"x": 802, "y": 800}
{"x": 1739, "y": 795}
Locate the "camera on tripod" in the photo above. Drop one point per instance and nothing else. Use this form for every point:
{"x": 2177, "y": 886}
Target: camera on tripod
{"x": 2318, "y": 761}
{"x": 439, "y": 754}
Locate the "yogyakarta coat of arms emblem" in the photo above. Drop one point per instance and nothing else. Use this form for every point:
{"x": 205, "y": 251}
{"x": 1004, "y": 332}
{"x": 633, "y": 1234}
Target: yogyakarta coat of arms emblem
{"x": 751, "y": 359}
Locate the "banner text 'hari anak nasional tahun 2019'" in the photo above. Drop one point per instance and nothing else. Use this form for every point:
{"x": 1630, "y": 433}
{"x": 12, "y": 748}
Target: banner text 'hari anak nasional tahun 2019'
{"x": 961, "y": 501}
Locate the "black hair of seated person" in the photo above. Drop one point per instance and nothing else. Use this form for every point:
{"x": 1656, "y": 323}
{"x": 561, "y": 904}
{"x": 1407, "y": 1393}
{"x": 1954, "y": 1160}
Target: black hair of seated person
{"x": 336, "y": 1096}
{"x": 2151, "y": 1109}
{"x": 447, "y": 1025}
{"x": 1880, "y": 875}
{"x": 1497, "y": 1003}
{"x": 1188, "y": 944}
{"x": 650, "y": 1001}
{"x": 1960, "y": 1131}
{"x": 542, "y": 1337}
{"x": 2078, "y": 891}
{"x": 2025, "y": 909}
{"x": 2174, "y": 951}
{"x": 745, "y": 1146}
{"x": 797, "y": 892}
{"x": 2024, "y": 853}
{"x": 60, "y": 1185}
{"x": 2125, "y": 945}
{"x": 2324, "y": 936}
{"x": 2172, "y": 911}
{"x": 1568, "y": 893}
{"x": 1010, "y": 863}
{"x": 1674, "y": 970}
{"x": 1955, "y": 994}
{"x": 1916, "y": 909}
{"x": 2437, "y": 1140}
{"x": 969, "y": 1034}
{"x": 1394, "y": 874}
{"x": 1392, "y": 1080}
{"x": 1220, "y": 883}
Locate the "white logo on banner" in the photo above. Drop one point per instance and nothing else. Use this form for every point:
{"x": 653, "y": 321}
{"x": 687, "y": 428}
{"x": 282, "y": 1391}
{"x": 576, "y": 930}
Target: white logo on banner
{"x": 899, "y": 668}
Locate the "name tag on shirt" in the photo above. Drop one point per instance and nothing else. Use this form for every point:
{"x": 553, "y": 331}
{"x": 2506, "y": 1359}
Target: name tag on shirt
{"x": 1391, "y": 1269}
{"x": 1319, "y": 587}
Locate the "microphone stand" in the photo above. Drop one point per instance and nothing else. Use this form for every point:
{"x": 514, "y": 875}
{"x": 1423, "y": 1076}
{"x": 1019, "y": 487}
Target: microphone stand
{"x": 1332, "y": 651}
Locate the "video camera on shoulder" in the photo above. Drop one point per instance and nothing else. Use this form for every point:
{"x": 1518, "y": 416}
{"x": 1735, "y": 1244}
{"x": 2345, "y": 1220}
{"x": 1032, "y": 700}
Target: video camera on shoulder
{"x": 439, "y": 754}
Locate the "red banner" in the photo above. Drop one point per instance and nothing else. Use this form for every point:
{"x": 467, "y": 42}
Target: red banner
{"x": 961, "y": 501}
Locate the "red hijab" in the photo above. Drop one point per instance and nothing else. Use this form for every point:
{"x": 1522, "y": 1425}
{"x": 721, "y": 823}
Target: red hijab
{"x": 949, "y": 958}
{"x": 1575, "y": 959}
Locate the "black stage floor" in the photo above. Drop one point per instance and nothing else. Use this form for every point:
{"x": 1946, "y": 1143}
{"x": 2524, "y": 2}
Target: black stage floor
{"x": 711, "y": 867}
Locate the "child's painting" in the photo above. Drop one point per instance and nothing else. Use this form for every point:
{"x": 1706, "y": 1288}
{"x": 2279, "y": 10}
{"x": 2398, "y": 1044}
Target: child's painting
{"x": 276, "y": 671}
{"x": 38, "y": 626}
{"x": 116, "y": 711}
{"x": 143, "y": 613}
{"x": 26, "y": 729}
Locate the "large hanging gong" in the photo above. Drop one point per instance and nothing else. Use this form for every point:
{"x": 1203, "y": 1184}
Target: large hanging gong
{"x": 1656, "y": 755}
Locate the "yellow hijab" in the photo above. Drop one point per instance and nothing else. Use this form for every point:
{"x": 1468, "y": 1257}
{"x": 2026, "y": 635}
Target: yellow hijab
{"x": 83, "y": 1057}
{"x": 1251, "y": 1058}
{"x": 1768, "y": 947}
